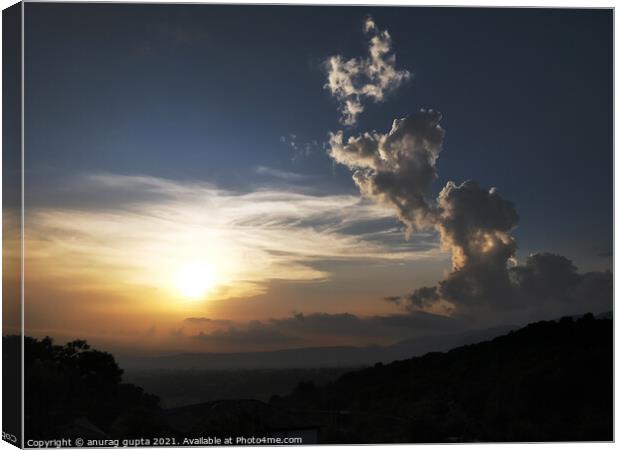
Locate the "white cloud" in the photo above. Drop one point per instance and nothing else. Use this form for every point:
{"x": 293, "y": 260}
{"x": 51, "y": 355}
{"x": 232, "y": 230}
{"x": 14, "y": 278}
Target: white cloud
{"x": 354, "y": 80}
{"x": 272, "y": 172}
{"x": 157, "y": 225}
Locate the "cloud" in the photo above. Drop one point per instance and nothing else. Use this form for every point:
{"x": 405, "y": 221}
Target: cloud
{"x": 151, "y": 226}
{"x": 324, "y": 324}
{"x": 486, "y": 281}
{"x": 423, "y": 297}
{"x": 281, "y": 174}
{"x": 424, "y": 323}
{"x": 546, "y": 276}
{"x": 396, "y": 299}
{"x": 301, "y": 149}
{"x": 255, "y": 333}
{"x": 202, "y": 321}
{"x": 553, "y": 279}
{"x": 327, "y": 329}
{"x": 397, "y": 168}
{"x": 355, "y": 80}
{"x": 475, "y": 225}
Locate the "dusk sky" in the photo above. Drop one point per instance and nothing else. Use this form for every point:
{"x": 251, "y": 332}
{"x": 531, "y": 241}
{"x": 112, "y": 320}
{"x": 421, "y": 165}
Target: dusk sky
{"x": 187, "y": 189}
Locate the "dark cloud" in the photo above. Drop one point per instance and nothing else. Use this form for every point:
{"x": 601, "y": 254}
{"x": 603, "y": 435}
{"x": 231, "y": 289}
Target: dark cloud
{"x": 419, "y": 323}
{"x": 207, "y": 321}
{"x": 546, "y": 277}
{"x": 546, "y": 285}
{"x": 596, "y": 289}
{"x": 552, "y": 280}
{"x": 307, "y": 329}
{"x": 253, "y": 334}
{"x": 423, "y": 297}
{"x": 323, "y": 324}
{"x": 475, "y": 225}
{"x": 486, "y": 281}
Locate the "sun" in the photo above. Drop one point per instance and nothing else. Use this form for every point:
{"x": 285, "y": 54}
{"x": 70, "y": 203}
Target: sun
{"x": 194, "y": 281}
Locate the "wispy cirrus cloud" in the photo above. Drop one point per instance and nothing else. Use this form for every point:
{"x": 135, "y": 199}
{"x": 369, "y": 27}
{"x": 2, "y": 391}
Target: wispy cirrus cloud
{"x": 156, "y": 225}
{"x": 271, "y": 172}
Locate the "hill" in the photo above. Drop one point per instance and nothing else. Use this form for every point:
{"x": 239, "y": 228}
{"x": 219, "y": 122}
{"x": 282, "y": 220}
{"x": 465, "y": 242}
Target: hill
{"x": 549, "y": 381}
{"x": 310, "y": 357}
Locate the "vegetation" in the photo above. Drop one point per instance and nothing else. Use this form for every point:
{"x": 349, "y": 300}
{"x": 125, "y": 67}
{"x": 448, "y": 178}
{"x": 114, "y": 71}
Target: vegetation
{"x": 74, "y": 383}
{"x": 176, "y": 387}
{"x": 550, "y": 381}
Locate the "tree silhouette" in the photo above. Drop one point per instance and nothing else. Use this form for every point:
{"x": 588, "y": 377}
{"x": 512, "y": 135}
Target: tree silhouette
{"x": 66, "y": 383}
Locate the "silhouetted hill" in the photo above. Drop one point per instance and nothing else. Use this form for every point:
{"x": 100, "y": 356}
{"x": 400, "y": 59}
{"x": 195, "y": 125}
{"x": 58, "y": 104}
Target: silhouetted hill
{"x": 549, "y": 381}
{"x": 178, "y": 387}
{"x": 313, "y": 357}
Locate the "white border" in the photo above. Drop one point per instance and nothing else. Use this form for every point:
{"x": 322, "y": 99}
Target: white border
{"x": 479, "y": 3}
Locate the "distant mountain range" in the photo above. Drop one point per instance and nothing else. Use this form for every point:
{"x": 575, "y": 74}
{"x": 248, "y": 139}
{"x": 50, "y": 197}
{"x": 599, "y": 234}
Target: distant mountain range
{"x": 343, "y": 356}
{"x": 312, "y": 357}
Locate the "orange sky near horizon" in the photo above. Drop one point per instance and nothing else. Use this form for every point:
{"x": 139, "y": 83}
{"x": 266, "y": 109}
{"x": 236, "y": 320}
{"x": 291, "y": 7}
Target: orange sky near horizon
{"x": 128, "y": 277}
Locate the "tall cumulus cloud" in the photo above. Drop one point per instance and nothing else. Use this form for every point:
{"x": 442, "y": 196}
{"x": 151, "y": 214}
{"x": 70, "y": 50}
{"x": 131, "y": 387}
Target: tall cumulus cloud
{"x": 474, "y": 223}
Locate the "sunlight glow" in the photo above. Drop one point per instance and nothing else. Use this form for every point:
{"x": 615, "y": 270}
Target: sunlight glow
{"x": 185, "y": 242}
{"x": 194, "y": 281}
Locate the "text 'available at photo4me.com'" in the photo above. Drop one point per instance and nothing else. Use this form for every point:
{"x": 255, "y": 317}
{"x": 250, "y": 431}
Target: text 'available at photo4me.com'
{"x": 163, "y": 442}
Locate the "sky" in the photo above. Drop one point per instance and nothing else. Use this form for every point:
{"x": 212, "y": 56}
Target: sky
{"x": 223, "y": 178}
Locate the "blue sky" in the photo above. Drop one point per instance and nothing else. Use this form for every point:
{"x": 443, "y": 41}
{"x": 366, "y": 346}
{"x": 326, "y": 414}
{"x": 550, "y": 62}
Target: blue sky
{"x": 214, "y": 95}
{"x": 207, "y": 92}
